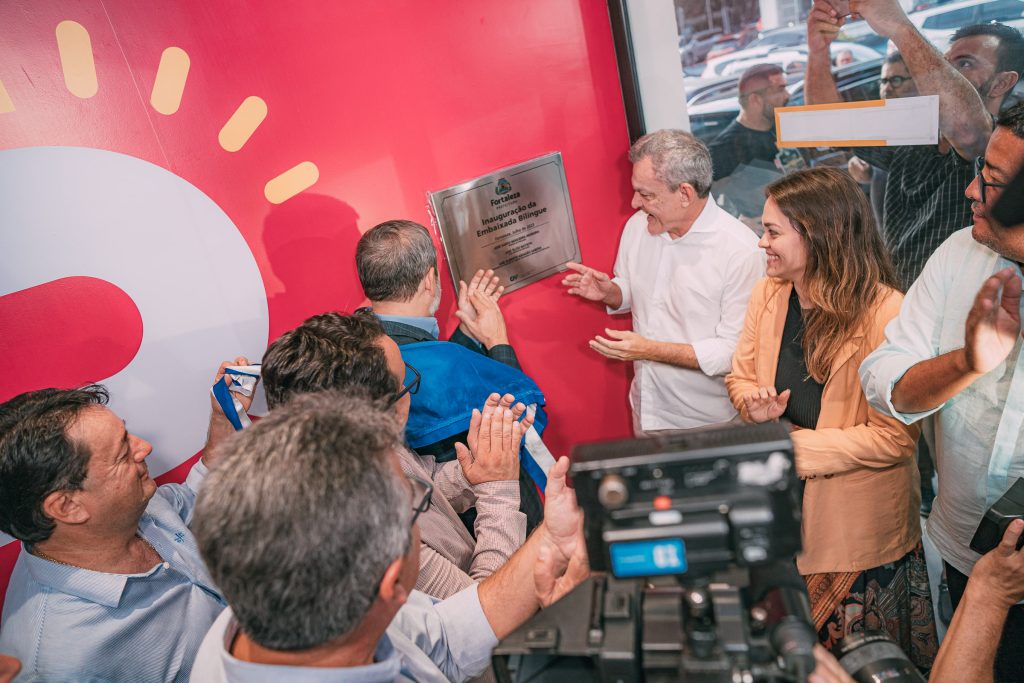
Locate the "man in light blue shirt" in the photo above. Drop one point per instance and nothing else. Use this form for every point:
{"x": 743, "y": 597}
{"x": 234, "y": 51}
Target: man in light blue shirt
{"x": 110, "y": 585}
{"x": 309, "y": 527}
{"x": 955, "y": 351}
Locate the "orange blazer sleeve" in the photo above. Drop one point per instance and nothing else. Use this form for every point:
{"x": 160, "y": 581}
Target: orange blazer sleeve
{"x": 743, "y": 379}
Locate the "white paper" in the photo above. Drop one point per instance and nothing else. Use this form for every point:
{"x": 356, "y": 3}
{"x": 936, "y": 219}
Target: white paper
{"x": 900, "y": 121}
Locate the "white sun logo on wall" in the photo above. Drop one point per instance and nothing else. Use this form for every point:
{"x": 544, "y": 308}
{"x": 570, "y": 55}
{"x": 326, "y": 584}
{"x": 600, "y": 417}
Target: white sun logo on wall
{"x": 74, "y": 212}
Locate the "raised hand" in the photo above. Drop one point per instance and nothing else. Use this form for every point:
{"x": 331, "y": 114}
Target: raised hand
{"x": 588, "y": 283}
{"x": 993, "y": 323}
{"x": 495, "y": 435}
{"x": 246, "y": 401}
{"x": 483, "y": 281}
{"x": 823, "y": 25}
{"x": 886, "y": 17}
{"x": 623, "y": 345}
{"x": 486, "y": 323}
{"x": 766, "y": 404}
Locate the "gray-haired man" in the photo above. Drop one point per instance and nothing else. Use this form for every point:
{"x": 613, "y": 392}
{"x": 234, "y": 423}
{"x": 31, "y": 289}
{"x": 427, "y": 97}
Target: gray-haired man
{"x": 309, "y": 528}
{"x": 685, "y": 269}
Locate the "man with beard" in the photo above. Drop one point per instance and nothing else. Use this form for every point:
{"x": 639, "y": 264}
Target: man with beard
{"x": 954, "y": 352}
{"x": 924, "y": 202}
{"x": 751, "y": 137}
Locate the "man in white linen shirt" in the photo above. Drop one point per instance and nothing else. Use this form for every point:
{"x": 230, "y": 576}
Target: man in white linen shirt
{"x": 685, "y": 269}
{"x": 955, "y": 351}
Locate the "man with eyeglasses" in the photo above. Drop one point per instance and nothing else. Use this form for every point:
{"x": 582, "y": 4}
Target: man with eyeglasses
{"x": 313, "y": 533}
{"x": 895, "y": 81}
{"x": 751, "y": 136}
{"x": 924, "y": 202}
{"x": 954, "y": 352}
{"x": 352, "y": 354}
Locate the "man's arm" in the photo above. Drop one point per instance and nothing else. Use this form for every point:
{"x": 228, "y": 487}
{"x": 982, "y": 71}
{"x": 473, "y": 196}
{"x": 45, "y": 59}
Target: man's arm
{"x": 968, "y": 652}
{"x": 822, "y": 28}
{"x": 512, "y": 594}
{"x": 963, "y": 119}
{"x": 992, "y": 328}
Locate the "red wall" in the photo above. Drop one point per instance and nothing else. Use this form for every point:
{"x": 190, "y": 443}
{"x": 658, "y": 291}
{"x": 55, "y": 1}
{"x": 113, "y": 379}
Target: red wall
{"x": 390, "y": 100}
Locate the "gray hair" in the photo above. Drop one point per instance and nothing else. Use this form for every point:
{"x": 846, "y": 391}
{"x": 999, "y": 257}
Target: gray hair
{"x": 392, "y": 259}
{"x": 301, "y": 517}
{"x": 678, "y": 158}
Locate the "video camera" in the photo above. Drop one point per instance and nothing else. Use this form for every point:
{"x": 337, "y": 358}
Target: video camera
{"x": 696, "y": 534}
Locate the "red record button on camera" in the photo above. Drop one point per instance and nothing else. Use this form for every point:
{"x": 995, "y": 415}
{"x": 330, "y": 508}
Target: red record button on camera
{"x": 662, "y": 503}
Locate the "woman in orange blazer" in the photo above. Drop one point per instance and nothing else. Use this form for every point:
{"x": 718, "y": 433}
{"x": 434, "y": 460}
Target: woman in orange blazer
{"x": 823, "y": 308}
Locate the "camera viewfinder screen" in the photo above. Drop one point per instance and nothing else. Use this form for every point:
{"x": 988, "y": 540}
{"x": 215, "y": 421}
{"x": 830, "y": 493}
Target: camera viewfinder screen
{"x": 648, "y": 558}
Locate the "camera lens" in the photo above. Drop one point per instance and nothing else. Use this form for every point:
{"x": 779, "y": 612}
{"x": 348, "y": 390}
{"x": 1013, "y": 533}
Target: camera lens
{"x": 871, "y": 657}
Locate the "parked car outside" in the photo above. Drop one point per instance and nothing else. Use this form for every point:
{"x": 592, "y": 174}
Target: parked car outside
{"x": 855, "y": 82}
{"x": 938, "y": 24}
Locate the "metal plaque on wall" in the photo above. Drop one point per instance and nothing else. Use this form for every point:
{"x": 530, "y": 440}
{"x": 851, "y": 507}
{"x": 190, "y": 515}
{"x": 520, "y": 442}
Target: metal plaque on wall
{"x": 517, "y": 221}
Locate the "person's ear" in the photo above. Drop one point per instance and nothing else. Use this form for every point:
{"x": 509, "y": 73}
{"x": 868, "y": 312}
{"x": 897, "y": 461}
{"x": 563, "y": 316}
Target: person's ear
{"x": 1003, "y": 83}
{"x": 391, "y": 591}
{"x": 429, "y": 281}
{"x": 687, "y": 194}
{"x": 65, "y": 507}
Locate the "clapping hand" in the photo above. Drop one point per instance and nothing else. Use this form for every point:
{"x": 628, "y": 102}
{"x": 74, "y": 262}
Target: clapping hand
{"x": 495, "y": 435}
{"x": 478, "y": 309}
{"x": 562, "y": 562}
{"x": 766, "y": 404}
{"x": 993, "y": 323}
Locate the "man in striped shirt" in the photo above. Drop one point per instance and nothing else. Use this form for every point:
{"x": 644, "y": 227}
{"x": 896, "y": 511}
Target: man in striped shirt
{"x": 924, "y": 199}
{"x": 352, "y": 354}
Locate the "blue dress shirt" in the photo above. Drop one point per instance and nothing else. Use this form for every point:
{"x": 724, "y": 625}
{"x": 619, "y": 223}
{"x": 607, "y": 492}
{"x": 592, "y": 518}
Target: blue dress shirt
{"x": 428, "y": 640}
{"x": 71, "y": 624}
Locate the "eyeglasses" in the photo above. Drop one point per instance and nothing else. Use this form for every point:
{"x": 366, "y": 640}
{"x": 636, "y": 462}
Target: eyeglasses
{"x": 410, "y": 388}
{"x": 979, "y": 164}
{"x": 421, "y": 492}
{"x": 894, "y": 81}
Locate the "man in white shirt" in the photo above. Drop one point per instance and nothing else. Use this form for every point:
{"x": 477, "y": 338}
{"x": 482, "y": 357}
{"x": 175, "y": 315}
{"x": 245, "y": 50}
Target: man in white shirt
{"x": 309, "y": 527}
{"x": 955, "y": 351}
{"x": 685, "y": 269}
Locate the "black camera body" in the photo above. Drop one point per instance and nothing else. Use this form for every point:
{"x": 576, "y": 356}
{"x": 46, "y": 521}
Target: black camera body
{"x": 689, "y": 504}
{"x": 697, "y": 533}
{"x": 993, "y": 525}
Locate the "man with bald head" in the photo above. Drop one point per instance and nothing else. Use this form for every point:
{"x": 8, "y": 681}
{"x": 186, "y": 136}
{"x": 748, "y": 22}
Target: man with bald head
{"x": 751, "y": 137}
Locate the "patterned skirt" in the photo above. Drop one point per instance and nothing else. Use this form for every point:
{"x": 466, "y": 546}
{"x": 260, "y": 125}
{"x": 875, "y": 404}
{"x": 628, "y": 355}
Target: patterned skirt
{"x": 894, "y": 598}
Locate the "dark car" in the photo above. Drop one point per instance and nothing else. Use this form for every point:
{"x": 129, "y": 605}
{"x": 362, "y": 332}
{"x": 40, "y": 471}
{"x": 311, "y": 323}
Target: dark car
{"x": 695, "y": 50}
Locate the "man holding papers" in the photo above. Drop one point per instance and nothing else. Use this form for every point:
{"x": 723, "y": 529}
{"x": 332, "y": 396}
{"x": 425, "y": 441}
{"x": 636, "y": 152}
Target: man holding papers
{"x": 924, "y": 201}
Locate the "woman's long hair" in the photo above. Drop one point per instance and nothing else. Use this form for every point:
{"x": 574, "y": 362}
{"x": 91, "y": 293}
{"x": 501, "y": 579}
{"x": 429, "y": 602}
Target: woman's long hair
{"x": 847, "y": 262}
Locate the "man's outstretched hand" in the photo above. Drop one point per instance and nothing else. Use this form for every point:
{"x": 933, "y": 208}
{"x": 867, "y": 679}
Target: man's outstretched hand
{"x": 592, "y": 285}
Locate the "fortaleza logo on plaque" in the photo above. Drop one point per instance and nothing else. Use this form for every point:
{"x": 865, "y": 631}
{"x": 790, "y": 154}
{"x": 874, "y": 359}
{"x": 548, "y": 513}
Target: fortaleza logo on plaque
{"x": 517, "y": 221}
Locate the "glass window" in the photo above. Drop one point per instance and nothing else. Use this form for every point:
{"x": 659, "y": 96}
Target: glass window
{"x": 725, "y": 38}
